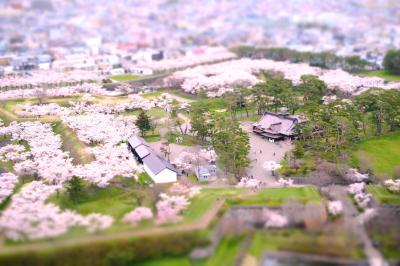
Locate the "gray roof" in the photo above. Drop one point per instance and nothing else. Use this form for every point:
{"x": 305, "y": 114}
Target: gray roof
{"x": 142, "y": 150}
{"x": 156, "y": 164}
{"x": 135, "y": 141}
{"x": 277, "y": 124}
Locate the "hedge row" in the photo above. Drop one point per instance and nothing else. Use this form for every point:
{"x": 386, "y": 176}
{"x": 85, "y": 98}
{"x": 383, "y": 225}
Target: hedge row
{"x": 110, "y": 252}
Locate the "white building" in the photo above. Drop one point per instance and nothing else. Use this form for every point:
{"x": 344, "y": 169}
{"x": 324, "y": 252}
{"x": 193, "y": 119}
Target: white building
{"x": 160, "y": 170}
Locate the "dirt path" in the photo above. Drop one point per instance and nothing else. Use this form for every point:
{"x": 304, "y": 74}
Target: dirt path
{"x": 351, "y": 217}
{"x": 200, "y": 224}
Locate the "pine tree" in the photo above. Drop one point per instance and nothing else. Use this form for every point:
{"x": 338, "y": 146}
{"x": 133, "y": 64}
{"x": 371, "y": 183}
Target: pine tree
{"x": 75, "y": 189}
{"x": 143, "y": 123}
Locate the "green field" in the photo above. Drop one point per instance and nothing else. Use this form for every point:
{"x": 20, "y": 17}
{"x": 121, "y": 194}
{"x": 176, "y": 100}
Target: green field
{"x": 226, "y": 252}
{"x": 224, "y": 255}
{"x": 382, "y": 74}
{"x": 383, "y": 195}
{"x": 124, "y": 77}
{"x": 234, "y": 196}
{"x": 182, "y": 261}
{"x": 114, "y": 200}
{"x": 152, "y": 95}
{"x": 109, "y": 201}
{"x": 187, "y": 140}
{"x": 278, "y": 196}
{"x": 382, "y": 152}
{"x": 296, "y": 240}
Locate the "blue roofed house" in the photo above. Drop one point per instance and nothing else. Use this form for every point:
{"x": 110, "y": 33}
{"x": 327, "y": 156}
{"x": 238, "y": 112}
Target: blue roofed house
{"x": 159, "y": 169}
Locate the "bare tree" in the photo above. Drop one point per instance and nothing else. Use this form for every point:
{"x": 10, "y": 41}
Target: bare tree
{"x": 153, "y": 125}
{"x": 41, "y": 95}
{"x": 165, "y": 149}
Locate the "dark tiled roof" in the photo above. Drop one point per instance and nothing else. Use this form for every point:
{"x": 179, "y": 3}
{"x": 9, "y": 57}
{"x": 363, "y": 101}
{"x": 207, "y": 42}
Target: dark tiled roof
{"x": 277, "y": 124}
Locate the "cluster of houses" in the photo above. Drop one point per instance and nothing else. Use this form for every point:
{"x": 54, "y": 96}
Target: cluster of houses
{"x": 105, "y": 64}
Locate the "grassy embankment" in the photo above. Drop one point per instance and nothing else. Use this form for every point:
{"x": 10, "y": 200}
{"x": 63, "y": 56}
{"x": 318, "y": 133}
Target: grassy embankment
{"x": 124, "y": 77}
{"x": 381, "y": 153}
{"x": 382, "y": 74}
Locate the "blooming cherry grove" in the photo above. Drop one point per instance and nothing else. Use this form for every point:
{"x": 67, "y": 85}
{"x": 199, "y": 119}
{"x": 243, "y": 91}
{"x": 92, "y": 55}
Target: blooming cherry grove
{"x": 169, "y": 207}
{"x": 137, "y": 215}
{"x": 7, "y": 184}
{"x": 219, "y": 78}
{"x": 53, "y": 78}
{"x": 75, "y": 90}
{"x": 80, "y": 107}
{"x": 335, "y": 207}
{"x": 393, "y": 185}
{"x": 29, "y": 217}
{"x": 362, "y": 198}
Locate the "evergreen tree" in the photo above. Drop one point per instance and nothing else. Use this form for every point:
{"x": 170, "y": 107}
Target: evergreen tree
{"x": 391, "y": 62}
{"x": 75, "y": 189}
{"x": 143, "y": 123}
{"x": 232, "y": 145}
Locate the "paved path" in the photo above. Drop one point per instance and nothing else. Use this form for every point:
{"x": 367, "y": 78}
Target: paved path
{"x": 269, "y": 152}
{"x": 351, "y": 217}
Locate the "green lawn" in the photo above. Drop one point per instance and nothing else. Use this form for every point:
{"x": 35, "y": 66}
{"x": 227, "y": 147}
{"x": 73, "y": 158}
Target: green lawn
{"x": 382, "y": 195}
{"x": 149, "y": 137}
{"x": 277, "y": 196}
{"x": 181, "y": 261}
{"x": 235, "y": 196}
{"x": 382, "y": 151}
{"x": 72, "y": 144}
{"x": 112, "y": 201}
{"x": 124, "y": 77}
{"x": 157, "y": 112}
{"x": 182, "y": 94}
{"x": 225, "y": 253}
{"x": 305, "y": 165}
{"x": 187, "y": 140}
{"x": 205, "y": 200}
{"x": 152, "y": 95}
{"x": 296, "y": 240}
{"x": 382, "y": 74}
{"x": 144, "y": 179}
